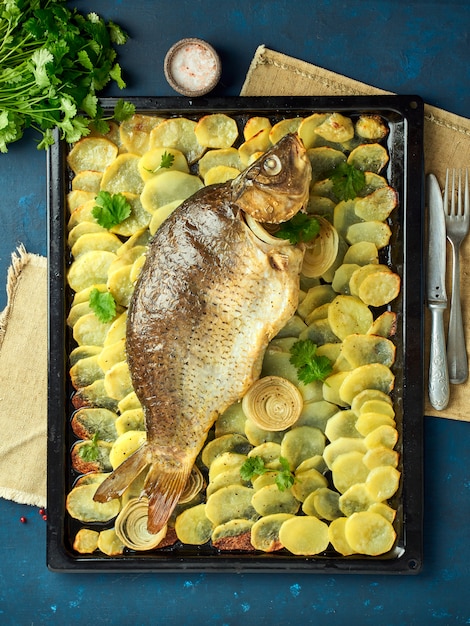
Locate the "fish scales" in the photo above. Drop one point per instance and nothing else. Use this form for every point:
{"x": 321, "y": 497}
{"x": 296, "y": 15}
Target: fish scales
{"x": 210, "y": 297}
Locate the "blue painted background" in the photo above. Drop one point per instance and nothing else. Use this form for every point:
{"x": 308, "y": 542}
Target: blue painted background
{"x": 403, "y": 46}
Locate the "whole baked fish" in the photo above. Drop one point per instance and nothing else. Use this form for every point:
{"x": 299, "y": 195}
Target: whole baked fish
{"x": 210, "y": 297}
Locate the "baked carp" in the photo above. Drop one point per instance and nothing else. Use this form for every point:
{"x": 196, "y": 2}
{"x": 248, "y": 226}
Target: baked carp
{"x": 209, "y": 298}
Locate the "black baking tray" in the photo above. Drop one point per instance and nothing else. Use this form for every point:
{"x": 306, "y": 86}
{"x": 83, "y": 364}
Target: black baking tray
{"x": 404, "y": 115}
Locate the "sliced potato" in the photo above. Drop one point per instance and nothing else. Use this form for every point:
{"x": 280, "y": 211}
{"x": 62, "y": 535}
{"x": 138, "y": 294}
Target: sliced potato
{"x": 80, "y": 505}
{"x": 377, "y": 406}
{"x": 347, "y": 315}
{"x": 360, "y": 349}
{"x": 89, "y": 331}
{"x": 342, "y": 424}
{"x": 90, "y": 421}
{"x": 270, "y": 500}
{"x": 331, "y": 388}
{"x": 125, "y": 445}
{"x": 265, "y": 532}
{"x": 304, "y": 535}
{"x": 348, "y": 469}
{"x": 254, "y": 124}
{"x": 366, "y": 395}
{"x": 134, "y": 132}
{"x": 284, "y": 127}
{"x": 300, "y": 443}
{"x": 224, "y": 479}
{"x": 130, "y": 419}
{"x": 77, "y": 198}
{"x": 307, "y": 482}
{"x": 224, "y": 462}
{"x": 86, "y": 541}
{"x": 254, "y": 146}
{"x": 232, "y": 502}
{"x": 342, "y": 277}
{"x": 139, "y": 218}
{"x": 336, "y": 128}
{"x": 117, "y": 381}
{"x": 378, "y": 205}
{"x": 83, "y": 228}
{"x": 122, "y": 175}
{"x": 193, "y": 527}
{"x": 100, "y": 451}
{"x": 326, "y": 505}
{"x": 109, "y": 543}
{"x": 362, "y": 272}
{"x": 307, "y": 128}
{"x": 87, "y": 180}
{"x": 374, "y": 231}
{"x": 231, "y": 421}
{"x": 383, "y": 482}
{"x": 316, "y": 296}
{"x": 229, "y": 157}
{"x": 370, "y": 376}
{"x": 380, "y": 456}
{"x": 168, "y": 187}
{"x": 323, "y": 160}
{"x": 91, "y": 268}
{"x": 356, "y": 498}
{"x": 362, "y": 253}
{"x": 162, "y": 213}
{"x": 380, "y": 288}
{"x": 226, "y": 443}
{"x": 369, "y": 157}
{"x": 85, "y": 372}
{"x": 385, "y": 325}
{"x": 94, "y": 395}
{"x": 220, "y": 174}
{"x": 92, "y": 153}
{"x": 342, "y": 445}
{"x": 345, "y": 216}
{"x": 150, "y": 164}
{"x": 371, "y": 127}
{"x": 384, "y": 435}
{"x": 337, "y": 536}
{"x": 367, "y": 422}
{"x": 233, "y": 535}
{"x": 95, "y": 241}
{"x": 179, "y": 133}
{"x": 216, "y": 130}
{"x": 369, "y": 533}
{"x": 112, "y": 354}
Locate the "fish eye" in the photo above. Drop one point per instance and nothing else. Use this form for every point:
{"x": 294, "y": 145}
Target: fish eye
{"x": 272, "y": 165}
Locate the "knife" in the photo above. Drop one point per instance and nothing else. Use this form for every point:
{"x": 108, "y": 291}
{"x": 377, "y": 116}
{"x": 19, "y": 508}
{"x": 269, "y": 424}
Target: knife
{"x": 438, "y": 384}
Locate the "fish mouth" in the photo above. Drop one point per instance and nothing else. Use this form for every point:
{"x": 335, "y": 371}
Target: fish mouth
{"x": 264, "y": 232}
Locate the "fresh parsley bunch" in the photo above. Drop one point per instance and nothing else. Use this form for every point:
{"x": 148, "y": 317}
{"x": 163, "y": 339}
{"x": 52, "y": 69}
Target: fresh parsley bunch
{"x": 53, "y": 61}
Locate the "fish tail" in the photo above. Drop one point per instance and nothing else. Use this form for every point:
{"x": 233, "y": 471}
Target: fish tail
{"x": 117, "y": 482}
{"x": 164, "y": 485}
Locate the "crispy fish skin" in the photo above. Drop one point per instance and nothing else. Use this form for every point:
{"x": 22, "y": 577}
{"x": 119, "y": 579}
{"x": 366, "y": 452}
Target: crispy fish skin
{"x": 210, "y": 297}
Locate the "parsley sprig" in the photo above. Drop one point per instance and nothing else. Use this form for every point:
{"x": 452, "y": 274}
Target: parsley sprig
{"x": 165, "y": 162}
{"x": 302, "y": 228}
{"x": 102, "y": 304}
{"x": 255, "y": 466}
{"x": 348, "y": 181}
{"x": 53, "y": 62}
{"x": 90, "y": 451}
{"x": 110, "y": 209}
{"x": 310, "y": 366}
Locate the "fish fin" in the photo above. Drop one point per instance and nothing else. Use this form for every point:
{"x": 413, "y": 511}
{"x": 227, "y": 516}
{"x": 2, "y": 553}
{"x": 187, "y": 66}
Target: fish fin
{"x": 118, "y": 481}
{"x": 164, "y": 488}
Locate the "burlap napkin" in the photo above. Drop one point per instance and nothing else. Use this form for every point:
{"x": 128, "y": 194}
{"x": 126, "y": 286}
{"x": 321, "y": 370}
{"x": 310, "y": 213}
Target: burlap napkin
{"x": 23, "y": 324}
{"x": 446, "y": 144}
{"x": 23, "y": 381}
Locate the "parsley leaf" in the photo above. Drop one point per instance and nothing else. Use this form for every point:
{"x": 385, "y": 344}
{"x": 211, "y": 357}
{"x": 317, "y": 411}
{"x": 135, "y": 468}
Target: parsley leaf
{"x": 253, "y": 466}
{"x": 166, "y": 161}
{"x": 102, "y": 304}
{"x": 53, "y": 61}
{"x": 285, "y": 478}
{"x": 347, "y": 181}
{"x": 90, "y": 451}
{"x": 123, "y": 110}
{"x": 301, "y": 228}
{"x": 110, "y": 209}
{"x": 310, "y": 366}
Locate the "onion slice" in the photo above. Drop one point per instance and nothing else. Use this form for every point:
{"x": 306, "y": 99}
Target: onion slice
{"x": 260, "y": 231}
{"x": 131, "y": 526}
{"x": 194, "y": 485}
{"x": 273, "y": 403}
{"x": 321, "y": 253}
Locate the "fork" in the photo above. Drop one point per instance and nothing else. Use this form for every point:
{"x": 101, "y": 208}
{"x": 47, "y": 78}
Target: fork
{"x": 457, "y": 217}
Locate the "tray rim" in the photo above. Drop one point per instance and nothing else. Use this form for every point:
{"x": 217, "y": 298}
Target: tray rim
{"x": 58, "y": 557}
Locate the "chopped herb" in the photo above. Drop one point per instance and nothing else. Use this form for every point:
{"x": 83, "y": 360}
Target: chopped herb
{"x": 254, "y": 466}
{"x": 310, "y": 366}
{"x": 348, "y": 181}
{"x": 285, "y": 478}
{"x": 90, "y": 451}
{"x": 102, "y": 304}
{"x": 301, "y": 228}
{"x": 110, "y": 209}
{"x": 165, "y": 162}
{"x": 53, "y": 62}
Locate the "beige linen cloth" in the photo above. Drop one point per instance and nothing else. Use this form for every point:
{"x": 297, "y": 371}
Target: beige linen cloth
{"x": 23, "y": 324}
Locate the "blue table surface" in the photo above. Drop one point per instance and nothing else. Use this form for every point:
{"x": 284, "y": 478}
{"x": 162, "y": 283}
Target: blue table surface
{"x": 404, "y": 46}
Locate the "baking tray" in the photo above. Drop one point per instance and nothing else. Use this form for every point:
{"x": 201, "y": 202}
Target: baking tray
{"x": 404, "y": 115}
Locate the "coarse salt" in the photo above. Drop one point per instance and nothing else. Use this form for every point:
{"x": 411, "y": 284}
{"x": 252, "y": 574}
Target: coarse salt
{"x": 192, "y": 67}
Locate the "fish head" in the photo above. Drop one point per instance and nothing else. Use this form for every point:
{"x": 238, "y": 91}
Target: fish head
{"x": 276, "y": 186}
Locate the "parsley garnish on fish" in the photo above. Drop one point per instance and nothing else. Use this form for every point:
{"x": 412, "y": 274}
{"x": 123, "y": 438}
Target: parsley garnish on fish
{"x": 310, "y": 366}
{"x": 110, "y": 209}
{"x": 301, "y": 228}
{"x": 90, "y": 451}
{"x": 53, "y": 61}
{"x": 348, "y": 181}
{"x": 254, "y": 466}
{"x": 102, "y": 304}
